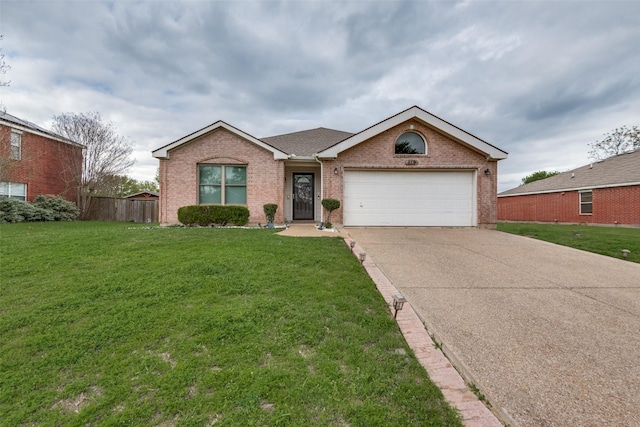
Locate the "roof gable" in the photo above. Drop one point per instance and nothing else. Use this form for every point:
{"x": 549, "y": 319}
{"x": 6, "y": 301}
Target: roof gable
{"x": 428, "y": 119}
{"x": 620, "y": 170}
{"x": 163, "y": 152}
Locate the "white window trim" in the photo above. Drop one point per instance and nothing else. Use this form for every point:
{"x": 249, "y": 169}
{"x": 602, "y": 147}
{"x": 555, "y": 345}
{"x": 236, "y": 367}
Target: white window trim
{"x": 22, "y": 197}
{"x": 424, "y": 141}
{"x": 223, "y": 184}
{"x": 19, "y": 145}
{"x": 586, "y": 203}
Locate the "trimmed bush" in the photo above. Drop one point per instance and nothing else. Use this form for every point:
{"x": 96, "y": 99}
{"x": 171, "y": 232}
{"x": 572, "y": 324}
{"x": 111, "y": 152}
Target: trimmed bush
{"x": 42, "y": 209}
{"x": 330, "y": 205}
{"x": 270, "y": 211}
{"x": 206, "y": 215}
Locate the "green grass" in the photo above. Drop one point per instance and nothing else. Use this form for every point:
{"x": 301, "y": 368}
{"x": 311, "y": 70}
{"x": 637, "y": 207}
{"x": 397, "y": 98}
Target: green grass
{"x": 117, "y": 324}
{"x": 602, "y": 240}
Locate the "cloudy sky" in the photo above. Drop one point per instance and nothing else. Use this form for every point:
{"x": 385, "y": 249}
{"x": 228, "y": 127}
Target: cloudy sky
{"x": 540, "y": 80}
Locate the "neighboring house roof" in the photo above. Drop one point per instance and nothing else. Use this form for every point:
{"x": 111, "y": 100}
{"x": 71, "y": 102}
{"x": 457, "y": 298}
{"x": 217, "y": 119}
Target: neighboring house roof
{"x": 163, "y": 152}
{"x": 25, "y": 125}
{"x": 307, "y": 142}
{"x": 428, "y": 119}
{"x": 142, "y": 193}
{"x": 616, "y": 171}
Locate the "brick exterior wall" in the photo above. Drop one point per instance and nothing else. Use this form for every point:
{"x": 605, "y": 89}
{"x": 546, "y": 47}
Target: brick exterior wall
{"x": 44, "y": 164}
{"x": 266, "y": 176}
{"x": 443, "y": 153}
{"x": 615, "y": 205}
{"x": 179, "y": 174}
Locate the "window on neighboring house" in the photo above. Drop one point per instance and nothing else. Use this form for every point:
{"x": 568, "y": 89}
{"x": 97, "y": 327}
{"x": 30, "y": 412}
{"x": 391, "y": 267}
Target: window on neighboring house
{"x": 222, "y": 185}
{"x": 410, "y": 143}
{"x": 16, "y": 146}
{"x": 13, "y": 189}
{"x": 586, "y": 202}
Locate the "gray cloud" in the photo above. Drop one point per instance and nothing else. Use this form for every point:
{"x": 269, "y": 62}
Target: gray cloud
{"x": 538, "y": 79}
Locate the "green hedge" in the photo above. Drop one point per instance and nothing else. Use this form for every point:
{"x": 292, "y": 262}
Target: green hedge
{"x": 206, "y": 215}
{"x": 43, "y": 208}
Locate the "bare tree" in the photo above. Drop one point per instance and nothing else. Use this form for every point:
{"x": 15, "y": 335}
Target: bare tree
{"x": 7, "y": 165}
{"x": 105, "y": 155}
{"x": 4, "y": 67}
{"x": 618, "y": 141}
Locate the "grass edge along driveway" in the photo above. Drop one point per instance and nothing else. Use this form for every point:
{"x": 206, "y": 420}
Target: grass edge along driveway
{"x": 607, "y": 241}
{"x": 120, "y": 324}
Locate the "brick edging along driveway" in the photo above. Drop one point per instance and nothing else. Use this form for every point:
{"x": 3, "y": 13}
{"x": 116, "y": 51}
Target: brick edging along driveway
{"x": 549, "y": 334}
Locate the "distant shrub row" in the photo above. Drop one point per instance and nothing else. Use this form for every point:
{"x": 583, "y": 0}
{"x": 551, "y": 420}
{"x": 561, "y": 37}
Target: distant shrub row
{"x": 43, "y": 208}
{"x": 207, "y": 215}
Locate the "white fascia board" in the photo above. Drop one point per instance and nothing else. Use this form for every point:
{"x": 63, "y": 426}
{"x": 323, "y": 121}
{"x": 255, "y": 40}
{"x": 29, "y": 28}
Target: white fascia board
{"x": 415, "y": 112}
{"x": 39, "y": 133}
{"x": 163, "y": 153}
{"x": 586, "y": 188}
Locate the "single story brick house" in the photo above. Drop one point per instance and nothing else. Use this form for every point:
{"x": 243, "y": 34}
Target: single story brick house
{"x": 604, "y": 192}
{"x": 411, "y": 169}
{"x": 34, "y": 161}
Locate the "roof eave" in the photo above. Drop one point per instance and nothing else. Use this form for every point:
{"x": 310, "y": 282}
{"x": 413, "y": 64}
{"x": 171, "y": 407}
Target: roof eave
{"x": 580, "y": 188}
{"x": 47, "y": 135}
{"x": 163, "y": 152}
{"x": 493, "y": 153}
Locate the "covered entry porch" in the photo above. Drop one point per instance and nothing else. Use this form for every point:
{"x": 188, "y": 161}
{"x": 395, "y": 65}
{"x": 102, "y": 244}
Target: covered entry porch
{"x": 302, "y": 192}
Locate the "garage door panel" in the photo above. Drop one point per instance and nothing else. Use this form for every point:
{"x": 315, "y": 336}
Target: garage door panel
{"x": 393, "y": 198}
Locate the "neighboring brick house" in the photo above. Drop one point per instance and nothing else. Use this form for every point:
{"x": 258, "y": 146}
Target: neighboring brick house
{"x": 412, "y": 169}
{"x": 604, "y": 192}
{"x": 36, "y": 161}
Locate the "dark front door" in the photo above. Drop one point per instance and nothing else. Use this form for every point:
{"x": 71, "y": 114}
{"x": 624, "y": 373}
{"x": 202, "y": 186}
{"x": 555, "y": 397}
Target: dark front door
{"x": 303, "y": 196}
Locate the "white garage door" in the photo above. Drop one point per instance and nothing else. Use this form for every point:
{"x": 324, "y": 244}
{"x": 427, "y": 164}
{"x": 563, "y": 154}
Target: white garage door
{"x": 394, "y": 198}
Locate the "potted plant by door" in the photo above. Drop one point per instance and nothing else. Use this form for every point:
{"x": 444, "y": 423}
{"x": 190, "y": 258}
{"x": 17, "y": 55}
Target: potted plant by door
{"x": 270, "y": 212}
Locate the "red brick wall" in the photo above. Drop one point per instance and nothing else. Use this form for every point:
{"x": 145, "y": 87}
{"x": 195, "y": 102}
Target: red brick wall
{"x": 44, "y": 165}
{"x": 179, "y": 174}
{"x": 616, "y": 205}
{"x": 442, "y": 153}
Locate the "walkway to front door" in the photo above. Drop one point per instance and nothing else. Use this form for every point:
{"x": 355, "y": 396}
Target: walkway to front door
{"x": 303, "y": 202}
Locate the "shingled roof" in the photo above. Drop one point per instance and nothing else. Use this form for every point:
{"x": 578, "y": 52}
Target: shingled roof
{"x": 306, "y": 143}
{"x": 33, "y": 128}
{"x": 616, "y": 171}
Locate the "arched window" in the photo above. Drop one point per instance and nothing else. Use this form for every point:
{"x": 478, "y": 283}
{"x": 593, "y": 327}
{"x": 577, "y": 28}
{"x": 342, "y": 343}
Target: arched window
{"x": 410, "y": 143}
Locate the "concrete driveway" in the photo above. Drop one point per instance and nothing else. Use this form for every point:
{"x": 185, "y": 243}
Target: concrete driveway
{"x": 551, "y": 335}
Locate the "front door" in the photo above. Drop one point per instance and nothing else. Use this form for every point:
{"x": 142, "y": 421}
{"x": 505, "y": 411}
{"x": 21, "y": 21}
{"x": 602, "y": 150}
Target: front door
{"x": 303, "y": 196}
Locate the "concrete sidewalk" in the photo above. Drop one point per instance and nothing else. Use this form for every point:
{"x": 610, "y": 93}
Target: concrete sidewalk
{"x": 551, "y": 335}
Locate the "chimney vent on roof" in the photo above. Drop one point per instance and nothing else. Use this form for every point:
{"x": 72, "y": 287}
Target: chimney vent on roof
{"x": 573, "y": 175}
{"x": 591, "y": 166}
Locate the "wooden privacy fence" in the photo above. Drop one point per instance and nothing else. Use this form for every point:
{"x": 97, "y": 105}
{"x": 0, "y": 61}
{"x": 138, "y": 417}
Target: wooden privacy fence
{"x": 126, "y": 210}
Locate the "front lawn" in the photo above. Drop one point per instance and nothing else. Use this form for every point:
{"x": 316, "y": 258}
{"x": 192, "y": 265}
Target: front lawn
{"x": 602, "y": 240}
{"x": 122, "y": 324}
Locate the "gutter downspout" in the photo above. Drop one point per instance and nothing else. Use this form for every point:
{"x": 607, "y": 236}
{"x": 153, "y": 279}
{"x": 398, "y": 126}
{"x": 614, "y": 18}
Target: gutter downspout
{"x": 315, "y": 156}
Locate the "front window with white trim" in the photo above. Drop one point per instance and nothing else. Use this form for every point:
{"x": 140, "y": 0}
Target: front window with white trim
{"x": 586, "y": 202}
{"x": 13, "y": 189}
{"x": 222, "y": 185}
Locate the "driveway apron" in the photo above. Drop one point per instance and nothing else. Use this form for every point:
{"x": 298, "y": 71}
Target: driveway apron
{"x": 550, "y": 334}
